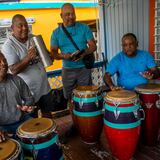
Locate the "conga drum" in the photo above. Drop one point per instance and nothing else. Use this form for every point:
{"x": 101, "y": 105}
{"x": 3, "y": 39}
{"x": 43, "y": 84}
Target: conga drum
{"x": 10, "y": 150}
{"x": 150, "y": 101}
{"x": 122, "y": 122}
{"x": 39, "y": 139}
{"x": 87, "y": 112}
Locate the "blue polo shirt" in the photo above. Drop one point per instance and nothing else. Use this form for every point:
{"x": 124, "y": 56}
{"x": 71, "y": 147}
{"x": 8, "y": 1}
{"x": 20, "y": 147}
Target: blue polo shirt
{"x": 128, "y": 68}
{"x": 80, "y": 33}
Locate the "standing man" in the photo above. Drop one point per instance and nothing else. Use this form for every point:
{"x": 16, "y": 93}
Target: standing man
{"x": 132, "y": 66}
{"x": 73, "y": 71}
{"x": 23, "y": 61}
{"x": 15, "y": 100}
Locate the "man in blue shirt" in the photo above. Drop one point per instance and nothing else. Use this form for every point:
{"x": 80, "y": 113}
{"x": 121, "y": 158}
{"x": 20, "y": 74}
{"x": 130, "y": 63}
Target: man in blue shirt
{"x": 132, "y": 66}
{"x": 73, "y": 72}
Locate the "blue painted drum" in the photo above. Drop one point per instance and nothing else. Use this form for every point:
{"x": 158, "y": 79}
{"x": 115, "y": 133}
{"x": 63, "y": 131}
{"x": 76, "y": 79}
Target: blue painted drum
{"x": 87, "y": 112}
{"x": 39, "y": 140}
{"x": 10, "y": 150}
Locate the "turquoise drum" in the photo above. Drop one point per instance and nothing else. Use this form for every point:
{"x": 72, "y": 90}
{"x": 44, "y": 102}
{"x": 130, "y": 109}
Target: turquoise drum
{"x": 39, "y": 140}
{"x": 87, "y": 112}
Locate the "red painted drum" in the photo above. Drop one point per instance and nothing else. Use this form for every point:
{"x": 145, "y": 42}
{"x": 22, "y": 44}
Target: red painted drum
{"x": 39, "y": 140}
{"x": 10, "y": 150}
{"x": 122, "y": 122}
{"x": 150, "y": 101}
{"x": 87, "y": 112}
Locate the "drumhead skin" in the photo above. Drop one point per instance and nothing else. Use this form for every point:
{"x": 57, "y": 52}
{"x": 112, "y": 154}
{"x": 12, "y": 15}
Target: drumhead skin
{"x": 88, "y": 90}
{"x": 8, "y": 149}
{"x": 35, "y": 127}
{"x": 123, "y": 96}
{"x": 148, "y": 88}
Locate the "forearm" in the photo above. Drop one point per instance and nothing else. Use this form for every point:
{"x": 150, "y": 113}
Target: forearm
{"x": 19, "y": 66}
{"x": 90, "y": 49}
{"x": 59, "y": 56}
{"x": 108, "y": 80}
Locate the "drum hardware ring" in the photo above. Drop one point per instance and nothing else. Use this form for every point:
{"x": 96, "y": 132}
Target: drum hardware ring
{"x": 143, "y": 113}
{"x": 85, "y": 93}
{"x": 158, "y": 104}
{"x": 31, "y": 136}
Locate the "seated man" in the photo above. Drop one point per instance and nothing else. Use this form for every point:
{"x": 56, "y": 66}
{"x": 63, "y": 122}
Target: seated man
{"x": 132, "y": 66}
{"x": 15, "y": 101}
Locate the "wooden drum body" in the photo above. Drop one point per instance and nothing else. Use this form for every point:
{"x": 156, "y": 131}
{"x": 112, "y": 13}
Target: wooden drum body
{"x": 10, "y": 150}
{"x": 39, "y": 139}
{"x": 150, "y": 101}
{"x": 122, "y": 122}
{"x": 88, "y": 112}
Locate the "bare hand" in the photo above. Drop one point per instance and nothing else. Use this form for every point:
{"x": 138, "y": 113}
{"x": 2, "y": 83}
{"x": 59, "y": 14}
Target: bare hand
{"x": 146, "y": 74}
{"x": 32, "y": 53}
{"x": 2, "y": 136}
{"x": 78, "y": 55}
{"x": 28, "y": 109}
{"x": 67, "y": 56}
{"x": 116, "y": 88}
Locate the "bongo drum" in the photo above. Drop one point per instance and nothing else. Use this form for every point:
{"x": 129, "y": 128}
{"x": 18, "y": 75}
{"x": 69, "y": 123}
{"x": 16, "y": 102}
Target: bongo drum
{"x": 87, "y": 112}
{"x": 39, "y": 139}
{"x": 122, "y": 122}
{"x": 150, "y": 101}
{"x": 10, "y": 150}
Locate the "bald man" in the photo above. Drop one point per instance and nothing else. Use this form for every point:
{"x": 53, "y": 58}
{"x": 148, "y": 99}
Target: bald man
{"x": 73, "y": 71}
{"x": 23, "y": 61}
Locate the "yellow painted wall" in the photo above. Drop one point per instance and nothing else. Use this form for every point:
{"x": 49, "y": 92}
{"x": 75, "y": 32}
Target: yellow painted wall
{"x": 47, "y": 20}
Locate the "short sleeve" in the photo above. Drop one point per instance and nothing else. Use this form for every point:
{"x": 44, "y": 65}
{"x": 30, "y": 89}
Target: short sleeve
{"x": 54, "y": 40}
{"x": 112, "y": 66}
{"x": 88, "y": 32}
{"x": 150, "y": 61}
{"x": 10, "y": 53}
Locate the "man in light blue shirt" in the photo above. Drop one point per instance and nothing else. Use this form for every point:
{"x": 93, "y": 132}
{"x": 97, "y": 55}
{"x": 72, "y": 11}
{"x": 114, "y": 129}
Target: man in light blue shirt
{"x": 73, "y": 72}
{"x": 132, "y": 66}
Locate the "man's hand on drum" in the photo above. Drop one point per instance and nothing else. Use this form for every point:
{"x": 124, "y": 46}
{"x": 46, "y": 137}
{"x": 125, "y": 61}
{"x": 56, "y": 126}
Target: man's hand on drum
{"x": 2, "y": 136}
{"x": 115, "y": 88}
{"x": 147, "y": 74}
{"x": 25, "y": 108}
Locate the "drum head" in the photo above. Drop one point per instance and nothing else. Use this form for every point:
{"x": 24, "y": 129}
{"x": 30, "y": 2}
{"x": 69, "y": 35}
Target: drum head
{"x": 148, "y": 88}
{"x": 8, "y": 149}
{"x": 35, "y": 127}
{"x": 86, "y": 90}
{"x": 121, "y": 96}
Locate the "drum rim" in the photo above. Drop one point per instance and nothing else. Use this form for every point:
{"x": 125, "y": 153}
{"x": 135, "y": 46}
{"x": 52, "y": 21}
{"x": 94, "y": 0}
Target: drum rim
{"x": 39, "y": 135}
{"x": 82, "y": 93}
{"x": 148, "y": 92}
{"x": 17, "y": 151}
{"x": 122, "y": 101}
{"x": 141, "y": 88}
